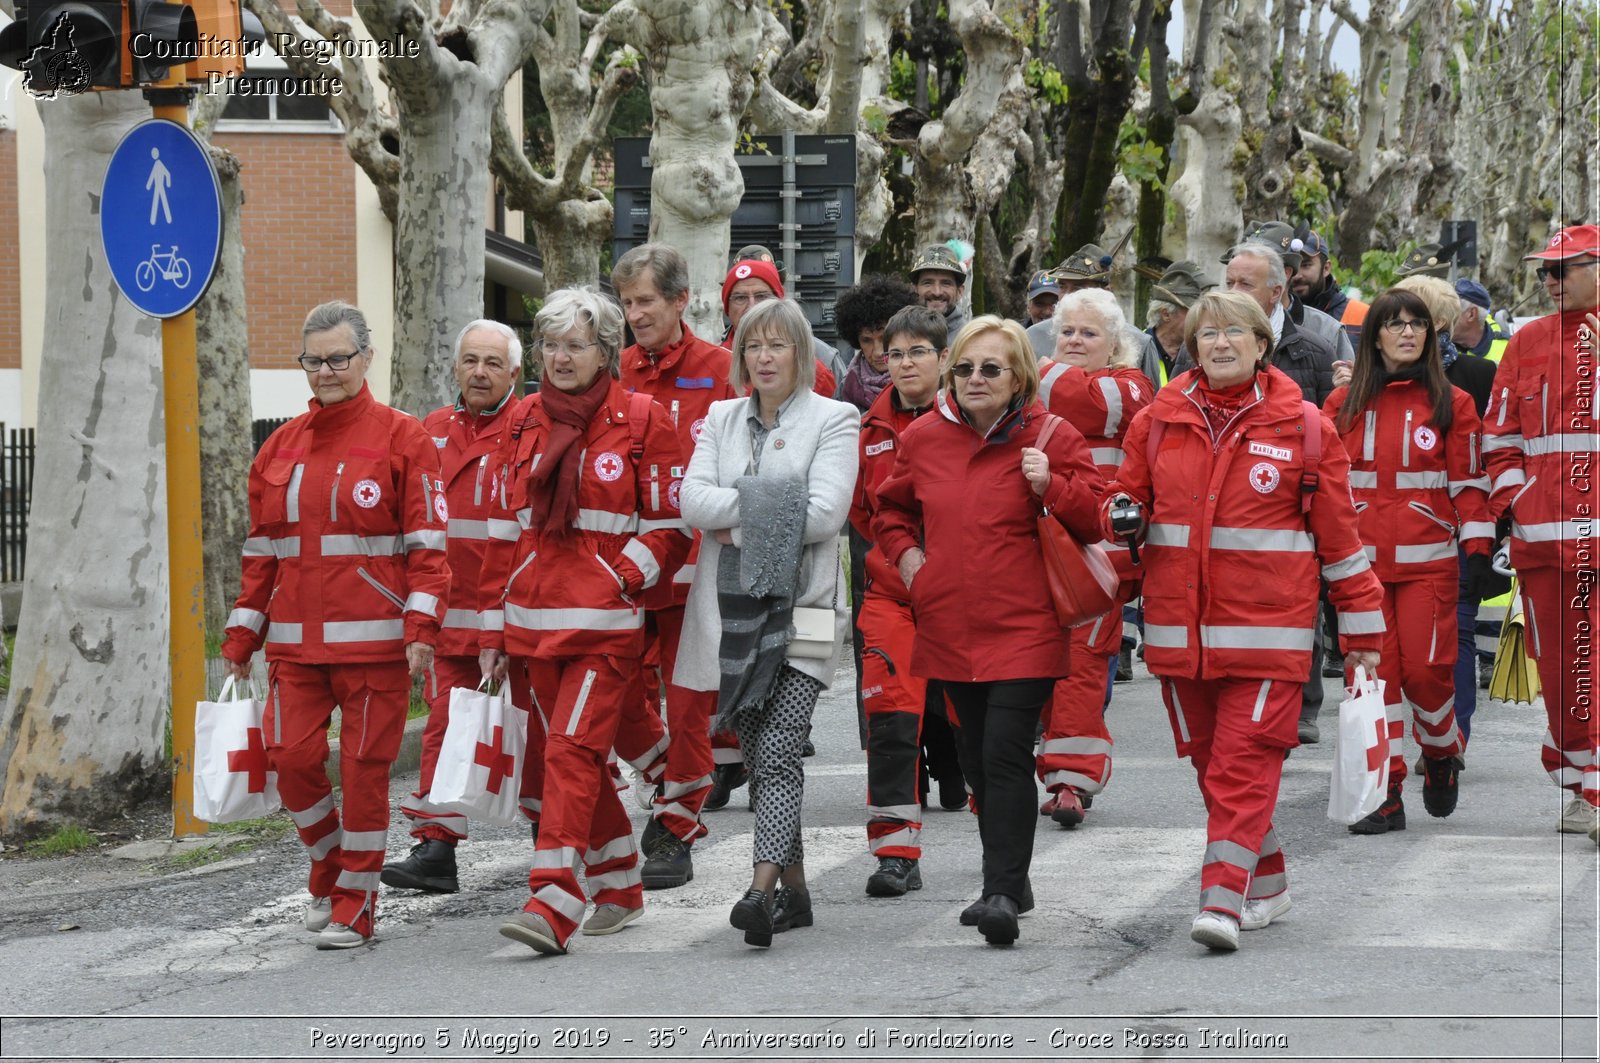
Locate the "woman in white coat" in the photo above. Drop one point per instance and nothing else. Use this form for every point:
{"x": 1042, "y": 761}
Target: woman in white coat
{"x": 770, "y": 484}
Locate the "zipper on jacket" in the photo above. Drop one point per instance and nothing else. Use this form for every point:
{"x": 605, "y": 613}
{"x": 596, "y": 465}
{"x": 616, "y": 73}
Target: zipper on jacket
{"x": 477, "y": 490}
{"x": 621, "y": 586}
{"x": 1405, "y": 443}
{"x": 1544, "y": 408}
{"x": 427, "y": 498}
{"x": 655, "y": 488}
{"x": 1369, "y": 442}
{"x": 1472, "y": 454}
{"x": 1427, "y": 511}
{"x": 381, "y": 589}
{"x": 277, "y": 715}
{"x": 518, "y": 570}
{"x": 674, "y": 413}
{"x": 333, "y": 495}
{"x": 1505, "y": 393}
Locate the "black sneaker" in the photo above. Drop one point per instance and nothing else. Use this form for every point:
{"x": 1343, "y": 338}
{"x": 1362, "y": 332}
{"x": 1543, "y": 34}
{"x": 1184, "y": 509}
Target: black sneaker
{"x": 669, "y": 865}
{"x": 896, "y": 875}
{"x": 1390, "y": 816}
{"x": 1125, "y": 665}
{"x": 1485, "y": 672}
{"x": 1439, "y": 790}
{"x": 790, "y": 908}
{"x": 1333, "y": 666}
{"x": 431, "y": 868}
{"x": 725, "y": 779}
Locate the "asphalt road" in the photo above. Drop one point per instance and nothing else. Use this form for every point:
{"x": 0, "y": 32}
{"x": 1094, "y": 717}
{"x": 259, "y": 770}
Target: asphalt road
{"x": 1460, "y": 939}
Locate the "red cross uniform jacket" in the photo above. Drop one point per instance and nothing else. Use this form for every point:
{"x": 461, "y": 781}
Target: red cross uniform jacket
{"x": 881, "y": 426}
{"x": 544, "y": 596}
{"x": 345, "y": 562}
{"x": 1231, "y": 559}
{"x": 982, "y": 601}
{"x": 1416, "y": 488}
{"x": 467, "y": 445}
{"x": 1540, "y": 441}
{"x": 685, "y": 378}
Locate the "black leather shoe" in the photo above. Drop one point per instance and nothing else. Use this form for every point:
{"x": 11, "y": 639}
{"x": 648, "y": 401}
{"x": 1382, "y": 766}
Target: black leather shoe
{"x": 753, "y": 915}
{"x": 652, "y": 836}
{"x": 1390, "y": 816}
{"x": 669, "y": 865}
{"x": 999, "y": 922}
{"x": 725, "y": 779}
{"x": 809, "y": 749}
{"x": 790, "y": 908}
{"x": 952, "y": 792}
{"x": 972, "y": 913}
{"x": 431, "y": 868}
{"x": 894, "y": 877}
{"x": 1439, "y": 789}
{"x": 1125, "y": 665}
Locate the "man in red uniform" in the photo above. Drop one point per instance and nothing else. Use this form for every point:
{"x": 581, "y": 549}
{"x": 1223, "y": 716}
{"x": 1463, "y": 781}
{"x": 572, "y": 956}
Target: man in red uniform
{"x": 488, "y": 366}
{"x": 755, "y": 280}
{"x": 685, "y": 374}
{"x": 1540, "y": 442}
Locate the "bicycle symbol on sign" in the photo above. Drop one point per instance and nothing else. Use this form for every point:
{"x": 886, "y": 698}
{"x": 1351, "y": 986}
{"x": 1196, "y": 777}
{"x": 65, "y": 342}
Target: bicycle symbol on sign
{"x": 170, "y": 266}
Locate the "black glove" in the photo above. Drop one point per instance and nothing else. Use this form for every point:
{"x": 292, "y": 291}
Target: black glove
{"x": 1480, "y": 573}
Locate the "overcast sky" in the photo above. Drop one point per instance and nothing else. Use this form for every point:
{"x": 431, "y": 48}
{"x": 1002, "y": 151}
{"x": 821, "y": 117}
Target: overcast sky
{"x": 1346, "y": 50}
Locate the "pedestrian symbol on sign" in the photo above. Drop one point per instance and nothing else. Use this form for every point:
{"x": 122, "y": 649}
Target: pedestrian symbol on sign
{"x": 160, "y": 179}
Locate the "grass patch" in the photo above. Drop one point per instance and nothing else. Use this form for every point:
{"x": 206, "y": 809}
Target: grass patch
{"x": 210, "y": 854}
{"x": 233, "y": 839}
{"x": 5, "y": 666}
{"x": 62, "y": 842}
{"x": 267, "y": 828}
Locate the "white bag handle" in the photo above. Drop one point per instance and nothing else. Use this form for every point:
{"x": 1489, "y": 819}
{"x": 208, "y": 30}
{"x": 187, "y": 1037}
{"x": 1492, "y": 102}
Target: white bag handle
{"x": 228, "y": 687}
{"x": 1362, "y": 682}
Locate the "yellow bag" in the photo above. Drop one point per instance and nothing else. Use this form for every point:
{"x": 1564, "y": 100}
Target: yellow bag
{"x": 1515, "y": 678}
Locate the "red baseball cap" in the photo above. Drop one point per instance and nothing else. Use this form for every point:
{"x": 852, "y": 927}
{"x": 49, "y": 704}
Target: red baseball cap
{"x": 1571, "y": 242}
{"x": 765, "y": 272}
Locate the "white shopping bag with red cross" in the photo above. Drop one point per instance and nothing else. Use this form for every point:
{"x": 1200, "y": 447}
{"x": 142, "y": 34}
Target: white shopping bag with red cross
{"x": 231, "y": 778}
{"x": 480, "y": 761}
{"x": 1361, "y": 761}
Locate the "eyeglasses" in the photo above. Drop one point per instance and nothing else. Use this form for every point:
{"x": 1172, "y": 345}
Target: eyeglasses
{"x": 1396, "y": 325}
{"x": 337, "y": 362}
{"x": 988, "y": 370}
{"x": 1559, "y": 270}
{"x": 758, "y": 349}
{"x": 749, "y": 298}
{"x": 1234, "y": 333}
{"x": 897, "y": 355}
{"x": 570, "y": 348}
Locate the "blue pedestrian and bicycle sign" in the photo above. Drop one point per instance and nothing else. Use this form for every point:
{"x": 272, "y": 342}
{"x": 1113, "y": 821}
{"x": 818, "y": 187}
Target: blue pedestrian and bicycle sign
{"x": 161, "y": 218}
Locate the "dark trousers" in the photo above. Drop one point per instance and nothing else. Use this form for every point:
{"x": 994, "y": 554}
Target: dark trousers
{"x": 1311, "y": 693}
{"x": 995, "y": 727}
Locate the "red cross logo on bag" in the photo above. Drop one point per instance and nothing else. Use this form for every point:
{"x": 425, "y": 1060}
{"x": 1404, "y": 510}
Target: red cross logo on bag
{"x": 499, "y": 763}
{"x": 1378, "y": 752}
{"x": 251, "y": 760}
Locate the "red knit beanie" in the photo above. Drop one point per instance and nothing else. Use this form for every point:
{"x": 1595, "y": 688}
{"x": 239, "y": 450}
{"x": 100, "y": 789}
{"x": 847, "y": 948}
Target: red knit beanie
{"x": 765, "y": 272}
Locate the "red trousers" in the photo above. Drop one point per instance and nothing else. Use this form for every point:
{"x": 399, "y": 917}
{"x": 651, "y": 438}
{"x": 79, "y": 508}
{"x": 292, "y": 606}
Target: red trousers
{"x": 346, "y": 857}
{"x": 689, "y": 762}
{"x": 1562, "y": 614}
{"x": 1076, "y": 749}
{"x": 894, "y": 701}
{"x": 440, "y": 824}
{"x": 1234, "y": 731}
{"x": 1419, "y": 661}
{"x": 582, "y": 818}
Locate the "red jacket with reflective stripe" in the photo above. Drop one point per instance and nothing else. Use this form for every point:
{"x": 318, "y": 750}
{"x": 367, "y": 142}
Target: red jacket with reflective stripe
{"x": 467, "y": 445}
{"x": 1540, "y": 441}
{"x": 1415, "y": 490}
{"x": 345, "y": 562}
{"x": 881, "y": 426}
{"x": 982, "y": 602}
{"x": 547, "y": 597}
{"x": 1231, "y": 561}
{"x": 685, "y": 378}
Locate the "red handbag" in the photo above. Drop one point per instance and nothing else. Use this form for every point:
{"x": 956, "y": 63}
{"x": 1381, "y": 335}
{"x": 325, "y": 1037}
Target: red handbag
{"x": 1083, "y": 582}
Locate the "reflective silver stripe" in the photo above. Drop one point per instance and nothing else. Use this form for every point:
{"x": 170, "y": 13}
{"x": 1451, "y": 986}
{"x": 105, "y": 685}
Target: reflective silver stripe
{"x": 292, "y": 495}
{"x": 1512, "y": 441}
{"x": 507, "y": 531}
{"x": 1107, "y": 455}
{"x": 1533, "y": 622}
{"x": 1418, "y": 555}
{"x": 418, "y": 602}
{"x": 288, "y": 546}
{"x": 1077, "y": 780}
{"x": 1510, "y": 478}
{"x": 1167, "y": 636}
{"x": 462, "y": 528}
{"x": 1353, "y": 565}
{"x": 1364, "y": 478}
{"x": 260, "y": 546}
{"x": 1264, "y": 886}
{"x": 1167, "y": 535}
{"x": 640, "y": 555}
{"x": 1421, "y": 481}
{"x": 684, "y": 575}
{"x": 1245, "y": 637}
{"x": 427, "y": 539}
{"x": 1286, "y": 540}
{"x": 1113, "y": 394}
{"x": 671, "y": 789}
{"x": 1368, "y": 442}
{"x": 582, "y": 702}
{"x": 1370, "y": 553}
{"x": 903, "y": 813}
{"x": 1177, "y": 704}
{"x": 1047, "y": 381}
{"x": 573, "y": 619}
{"x": 647, "y": 760}
{"x": 363, "y": 630}
{"x": 1088, "y": 747}
{"x": 1556, "y": 531}
{"x": 1436, "y": 716}
{"x": 905, "y": 837}
{"x": 615, "y": 849}
{"x": 366, "y": 841}
{"x": 361, "y": 881}
{"x": 1220, "y": 898}
{"x": 525, "y": 517}
{"x": 1261, "y": 701}
{"x": 464, "y": 619}
{"x": 1478, "y": 529}
{"x": 603, "y": 520}
{"x": 326, "y": 844}
{"x": 247, "y": 618}
{"x": 1369, "y": 622}
{"x": 1562, "y": 443}
{"x": 310, "y": 817}
{"x": 620, "y": 879}
{"x": 361, "y": 545}
{"x": 1458, "y": 486}
{"x": 494, "y": 620}
{"x": 1405, "y": 442}
{"x": 286, "y": 633}
{"x": 564, "y": 903}
{"x": 676, "y": 524}
{"x": 1226, "y": 852}
{"x": 553, "y": 859}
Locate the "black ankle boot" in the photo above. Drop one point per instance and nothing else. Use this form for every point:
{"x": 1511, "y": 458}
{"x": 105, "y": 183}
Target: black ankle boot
{"x": 431, "y": 868}
{"x": 999, "y": 922}
{"x": 753, "y": 915}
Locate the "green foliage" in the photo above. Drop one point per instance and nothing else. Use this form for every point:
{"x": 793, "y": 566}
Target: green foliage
{"x": 1309, "y": 195}
{"x": 1141, "y": 162}
{"x": 873, "y": 117}
{"x": 5, "y": 667}
{"x": 62, "y": 842}
{"x": 902, "y": 76}
{"x": 1379, "y": 268}
{"x": 267, "y": 828}
{"x": 1045, "y": 81}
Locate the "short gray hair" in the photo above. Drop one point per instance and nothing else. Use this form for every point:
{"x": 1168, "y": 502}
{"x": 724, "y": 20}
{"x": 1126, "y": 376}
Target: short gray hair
{"x": 331, "y": 315}
{"x": 568, "y": 308}
{"x": 1265, "y": 253}
{"x": 666, "y": 265}
{"x": 1159, "y": 309}
{"x": 779, "y": 319}
{"x": 505, "y": 332}
{"x": 1102, "y": 304}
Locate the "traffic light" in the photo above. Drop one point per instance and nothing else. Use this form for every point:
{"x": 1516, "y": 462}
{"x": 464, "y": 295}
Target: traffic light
{"x": 160, "y": 35}
{"x": 227, "y": 36}
{"x": 67, "y": 46}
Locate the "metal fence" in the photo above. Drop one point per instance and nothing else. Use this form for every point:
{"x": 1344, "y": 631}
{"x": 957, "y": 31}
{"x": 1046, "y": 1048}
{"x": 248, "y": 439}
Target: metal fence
{"x": 16, "y": 492}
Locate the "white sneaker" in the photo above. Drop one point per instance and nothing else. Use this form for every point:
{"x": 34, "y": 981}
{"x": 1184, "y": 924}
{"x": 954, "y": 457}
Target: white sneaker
{"x": 339, "y": 936}
{"x": 1215, "y": 930}
{"x": 1579, "y": 817}
{"x": 1259, "y": 911}
{"x": 644, "y": 791}
{"x": 318, "y": 914}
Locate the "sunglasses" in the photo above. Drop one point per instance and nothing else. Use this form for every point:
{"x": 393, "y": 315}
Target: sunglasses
{"x": 988, "y": 370}
{"x": 1559, "y": 270}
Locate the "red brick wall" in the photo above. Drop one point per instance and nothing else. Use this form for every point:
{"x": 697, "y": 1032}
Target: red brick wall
{"x": 10, "y": 255}
{"x": 299, "y": 234}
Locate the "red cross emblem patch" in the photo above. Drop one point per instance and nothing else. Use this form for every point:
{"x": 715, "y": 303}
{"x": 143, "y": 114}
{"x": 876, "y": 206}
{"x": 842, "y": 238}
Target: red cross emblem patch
{"x": 1264, "y": 477}
{"x": 608, "y": 466}
{"x": 696, "y": 428}
{"x": 500, "y": 764}
{"x": 366, "y": 493}
{"x": 251, "y": 761}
